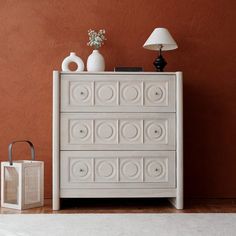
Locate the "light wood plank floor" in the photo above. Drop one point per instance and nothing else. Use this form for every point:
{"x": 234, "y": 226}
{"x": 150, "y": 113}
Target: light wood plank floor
{"x": 131, "y": 206}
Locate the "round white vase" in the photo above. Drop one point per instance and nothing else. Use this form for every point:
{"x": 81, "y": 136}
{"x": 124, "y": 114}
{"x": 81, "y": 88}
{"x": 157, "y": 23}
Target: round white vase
{"x": 95, "y": 62}
{"x": 72, "y": 58}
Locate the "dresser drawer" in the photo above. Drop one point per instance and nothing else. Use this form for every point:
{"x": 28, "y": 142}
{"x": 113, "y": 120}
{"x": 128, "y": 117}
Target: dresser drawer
{"x": 127, "y": 93}
{"x": 117, "y": 169}
{"x": 117, "y": 131}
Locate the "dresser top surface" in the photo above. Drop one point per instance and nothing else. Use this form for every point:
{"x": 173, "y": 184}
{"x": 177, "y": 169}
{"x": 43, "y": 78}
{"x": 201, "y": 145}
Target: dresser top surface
{"x": 117, "y": 73}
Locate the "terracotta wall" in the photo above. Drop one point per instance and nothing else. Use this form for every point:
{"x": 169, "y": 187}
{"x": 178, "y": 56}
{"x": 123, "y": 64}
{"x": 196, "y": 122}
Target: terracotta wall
{"x": 36, "y": 35}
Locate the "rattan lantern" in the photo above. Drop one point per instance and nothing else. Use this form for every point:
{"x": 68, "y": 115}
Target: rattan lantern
{"x": 22, "y": 182}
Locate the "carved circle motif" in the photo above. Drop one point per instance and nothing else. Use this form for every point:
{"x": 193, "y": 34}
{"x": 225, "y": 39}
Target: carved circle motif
{"x": 79, "y": 130}
{"x": 105, "y": 93}
{"x": 105, "y": 169}
{"x": 155, "y": 169}
{"x": 105, "y": 130}
{"x": 154, "y": 94}
{"x": 130, "y": 131}
{"x": 155, "y": 131}
{"x": 79, "y": 169}
{"x": 130, "y": 93}
{"x": 130, "y": 169}
{"x": 80, "y": 93}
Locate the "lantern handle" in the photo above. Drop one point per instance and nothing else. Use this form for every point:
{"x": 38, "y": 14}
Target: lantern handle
{"x": 20, "y": 141}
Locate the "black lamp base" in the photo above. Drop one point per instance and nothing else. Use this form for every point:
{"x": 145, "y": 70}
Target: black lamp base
{"x": 160, "y": 63}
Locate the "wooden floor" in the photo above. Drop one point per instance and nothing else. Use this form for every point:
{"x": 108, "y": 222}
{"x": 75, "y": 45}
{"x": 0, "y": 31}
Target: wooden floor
{"x": 132, "y": 206}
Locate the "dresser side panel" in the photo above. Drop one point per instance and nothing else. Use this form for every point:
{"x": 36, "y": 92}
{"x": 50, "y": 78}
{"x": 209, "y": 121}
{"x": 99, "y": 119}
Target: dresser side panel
{"x": 56, "y": 141}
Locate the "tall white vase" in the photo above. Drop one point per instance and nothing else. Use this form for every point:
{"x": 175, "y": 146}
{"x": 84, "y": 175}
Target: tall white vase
{"x": 95, "y": 62}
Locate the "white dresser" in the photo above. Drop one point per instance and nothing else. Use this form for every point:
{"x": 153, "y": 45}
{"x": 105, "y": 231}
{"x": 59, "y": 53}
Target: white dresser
{"x": 117, "y": 134}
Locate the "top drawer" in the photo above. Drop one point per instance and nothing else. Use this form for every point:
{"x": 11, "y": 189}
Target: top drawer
{"x": 118, "y": 93}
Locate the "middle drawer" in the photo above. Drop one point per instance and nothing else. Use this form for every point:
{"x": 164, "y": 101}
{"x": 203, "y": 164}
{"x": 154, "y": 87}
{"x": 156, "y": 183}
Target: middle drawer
{"x": 117, "y": 131}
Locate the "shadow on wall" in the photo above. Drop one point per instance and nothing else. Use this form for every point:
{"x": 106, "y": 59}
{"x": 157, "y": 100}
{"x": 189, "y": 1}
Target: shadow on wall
{"x": 207, "y": 146}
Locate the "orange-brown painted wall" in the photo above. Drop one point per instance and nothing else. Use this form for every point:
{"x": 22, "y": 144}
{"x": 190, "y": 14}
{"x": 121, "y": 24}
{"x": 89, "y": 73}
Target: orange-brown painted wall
{"x": 36, "y": 35}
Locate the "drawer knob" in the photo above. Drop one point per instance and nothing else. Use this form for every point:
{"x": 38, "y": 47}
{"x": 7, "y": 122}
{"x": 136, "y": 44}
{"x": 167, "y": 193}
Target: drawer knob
{"x": 156, "y": 93}
{"x": 81, "y": 131}
{"x": 81, "y": 170}
{"x": 81, "y": 93}
{"x": 155, "y": 131}
{"x": 156, "y": 169}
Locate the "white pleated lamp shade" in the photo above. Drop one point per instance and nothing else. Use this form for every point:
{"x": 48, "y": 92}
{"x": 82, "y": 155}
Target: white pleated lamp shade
{"x": 160, "y": 37}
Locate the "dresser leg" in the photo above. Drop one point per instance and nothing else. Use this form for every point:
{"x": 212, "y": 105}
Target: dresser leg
{"x": 177, "y": 202}
{"x": 55, "y": 204}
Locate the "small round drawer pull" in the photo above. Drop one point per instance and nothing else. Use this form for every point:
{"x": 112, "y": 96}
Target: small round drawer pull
{"x": 155, "y": 131}
{"x": 81, "y": 170}
{"x": 81, "y": 131}
{"x": 156, "y": 169}
{"x": 81, "y": 93}
{"x": 156, "y": 93}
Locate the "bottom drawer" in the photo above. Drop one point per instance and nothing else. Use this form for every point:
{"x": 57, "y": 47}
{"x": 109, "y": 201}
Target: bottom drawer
{"x": 117, "y": 169}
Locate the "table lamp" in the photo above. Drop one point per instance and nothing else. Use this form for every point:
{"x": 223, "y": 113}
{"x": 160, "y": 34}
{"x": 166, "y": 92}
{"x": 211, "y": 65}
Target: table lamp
{"x": 160, "y": 40}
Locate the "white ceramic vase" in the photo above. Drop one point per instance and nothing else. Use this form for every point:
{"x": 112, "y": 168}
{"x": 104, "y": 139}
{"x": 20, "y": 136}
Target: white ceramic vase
{"x": 95, "y": 62}
{"x": 72, "y": 58}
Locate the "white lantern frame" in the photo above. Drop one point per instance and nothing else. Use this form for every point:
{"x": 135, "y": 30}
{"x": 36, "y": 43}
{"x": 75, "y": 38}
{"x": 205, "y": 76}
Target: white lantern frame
{"x": 22, "y": 182}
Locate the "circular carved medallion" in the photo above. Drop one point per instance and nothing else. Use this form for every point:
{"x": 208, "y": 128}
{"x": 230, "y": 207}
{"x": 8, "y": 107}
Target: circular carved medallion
{"x": 80, "y": 93}
{"x": 130, "y": 93}
{"x": 105, "y": 130}
{"x": 79, "y": 169}
{"x": 154, "y": 94}
{"x": 105, "y": 169}
{"x": 105, "y": 93}
{"x": 130, "y": 169}
{"x": 155, "y": 169}
{"x": 130, "y": 131}
{"x": 79, "y": 130}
